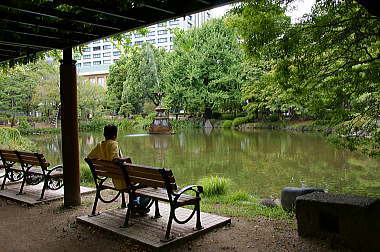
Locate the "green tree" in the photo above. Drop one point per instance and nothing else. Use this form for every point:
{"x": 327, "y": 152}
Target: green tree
{"x": 327, "y": 65}
{"x": 203, "y": 71}
{"x": 91, "y": 99}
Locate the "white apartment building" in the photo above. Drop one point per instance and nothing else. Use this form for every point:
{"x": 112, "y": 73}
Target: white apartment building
{"x": 97, "y": 56}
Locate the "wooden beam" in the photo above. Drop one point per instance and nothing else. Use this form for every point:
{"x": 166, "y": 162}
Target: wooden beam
{"x": 69, "y": 37}
{"x": 30, "y": 40}
{"x": 69, "y": 128}
{"x": 46, "y": 9}
{"x": 51, "y": 23}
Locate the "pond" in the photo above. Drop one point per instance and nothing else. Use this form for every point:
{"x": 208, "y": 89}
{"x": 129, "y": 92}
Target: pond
{"x": 260, "y": 162}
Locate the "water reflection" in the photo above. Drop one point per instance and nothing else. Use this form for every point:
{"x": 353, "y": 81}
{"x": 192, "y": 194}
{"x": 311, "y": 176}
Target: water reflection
{"x": 260, "y": 162}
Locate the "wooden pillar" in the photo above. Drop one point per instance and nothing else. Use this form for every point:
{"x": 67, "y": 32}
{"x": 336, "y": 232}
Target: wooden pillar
{"x": 70, "y": 146}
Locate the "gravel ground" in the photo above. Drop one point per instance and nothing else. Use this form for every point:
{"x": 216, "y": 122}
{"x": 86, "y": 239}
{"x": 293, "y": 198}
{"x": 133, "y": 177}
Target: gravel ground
{"x": 49, "y": 227}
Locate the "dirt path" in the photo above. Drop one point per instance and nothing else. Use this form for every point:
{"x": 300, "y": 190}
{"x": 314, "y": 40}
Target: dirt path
{"x": 49, "y": 227}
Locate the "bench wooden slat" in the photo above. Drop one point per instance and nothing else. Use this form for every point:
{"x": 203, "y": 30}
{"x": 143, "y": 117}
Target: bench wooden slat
{"x": 135, "y": 173}
{"x": 11, "y": 159}
{"x": 161, "y": 194}
{"x": 147, "y": 169}
{"x": 110, "y": 175}
{"x": 106, "y": 163}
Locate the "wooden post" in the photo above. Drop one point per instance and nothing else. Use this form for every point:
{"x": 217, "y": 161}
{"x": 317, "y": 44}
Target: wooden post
{"x": 70, "y": 146}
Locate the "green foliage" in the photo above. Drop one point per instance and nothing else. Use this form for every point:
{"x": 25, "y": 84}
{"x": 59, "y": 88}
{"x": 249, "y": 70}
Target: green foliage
{"x": 239, "y": 121}
{"x": 202, "y": 73}
{"x": 24, "y": 124}
{"x": 135, "y": 79}
{"x": 226, "y": 124}
{"x": 226, "y": 116}
{"x": 302, "y": 70}
{"x": 215, "y": 185}
{"x": 86, "y": 178}
{"x": 10, "y": 138}
{"x": 179, "y": 124}
{"x": 91, "y": 99}
{"x": 95, "y": 124}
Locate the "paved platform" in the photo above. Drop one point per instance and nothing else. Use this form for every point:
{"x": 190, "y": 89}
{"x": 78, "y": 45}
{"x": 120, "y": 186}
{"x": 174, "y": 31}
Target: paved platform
{"x": 149, "y": 231}
{"x": 32, "y": 193}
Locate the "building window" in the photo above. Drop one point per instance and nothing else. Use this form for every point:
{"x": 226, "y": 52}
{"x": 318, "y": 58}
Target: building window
{"x": 161, "y": 32}
{"x": 152, "y": 41}
{"x": 77, "y": 57}
{"x": 87, "y": 56}
{"x": 138, "y": 35}
{"x": 114, "y": 46}
{"x": 92, "y": 80}
{"x": 86, "y": 63}
{"x": 96, "y": 55}
{"x": 106, "y": 62}
{"x": 151, "y": 34}
{"x": 171, "y": 39}
{"x": 162, "y": 40}
{"x": 97, "y": 63}
{"x": 101, "y": 81}
{"x": 96, "y": 42}
{"x": 139, "y": 42}
{"x": 106, "y": 47}
{"x": 86, "y": 49}
{"x": 116, "y": 53}
{"x": 78, "y": 64}
{"x": 171, "y": 47}
{"x": 96, "y": 48}
{"x": 107, "y": 54}
{"x": 174, "y": 22}
{"x": 162, "y": 24}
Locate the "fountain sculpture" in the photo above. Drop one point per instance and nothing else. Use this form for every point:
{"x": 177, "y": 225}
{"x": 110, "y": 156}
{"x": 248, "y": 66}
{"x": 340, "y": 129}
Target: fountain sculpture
{"x": 160, "y": 124}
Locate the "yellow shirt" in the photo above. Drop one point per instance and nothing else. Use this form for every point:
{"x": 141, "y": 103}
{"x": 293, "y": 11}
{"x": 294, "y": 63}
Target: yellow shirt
{"x": 108, "y": 150}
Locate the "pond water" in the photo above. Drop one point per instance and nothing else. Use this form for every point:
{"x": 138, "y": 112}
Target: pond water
{"x": 260, "y": 162}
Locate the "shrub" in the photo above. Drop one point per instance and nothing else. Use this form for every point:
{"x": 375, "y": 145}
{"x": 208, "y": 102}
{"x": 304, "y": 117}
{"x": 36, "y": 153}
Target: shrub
{"x": 226, "y": 124}
{"x": 126, "y": 124}
{"x": 239, "y": 121}
{"x": 10, "y": 138}
{"x": 215, "y": 185}
{"x": 179, "y": 124}
{"x": 85, "y": 174}
{"x": 24, "y": 124}
{"x": 227, "y": 116}
{"x": 273, "y": 118}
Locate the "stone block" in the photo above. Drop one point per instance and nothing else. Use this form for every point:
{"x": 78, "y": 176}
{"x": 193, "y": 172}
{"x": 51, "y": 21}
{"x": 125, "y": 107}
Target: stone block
{"x": 349, "y": 220}
{"x": 289, "y": 195}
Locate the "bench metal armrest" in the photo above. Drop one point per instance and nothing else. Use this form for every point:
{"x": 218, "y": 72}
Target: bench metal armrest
{"x": 54, "y": 168}
{"x": 195, "y": 188}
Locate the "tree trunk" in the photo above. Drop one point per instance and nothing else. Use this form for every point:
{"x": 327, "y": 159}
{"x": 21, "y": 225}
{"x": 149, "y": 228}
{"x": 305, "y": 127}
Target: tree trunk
{"x": 207, "y": 113}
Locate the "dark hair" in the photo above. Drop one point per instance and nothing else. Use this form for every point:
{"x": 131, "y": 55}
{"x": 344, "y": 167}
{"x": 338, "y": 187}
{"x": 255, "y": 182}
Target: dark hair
{"x": 110, "y": 131}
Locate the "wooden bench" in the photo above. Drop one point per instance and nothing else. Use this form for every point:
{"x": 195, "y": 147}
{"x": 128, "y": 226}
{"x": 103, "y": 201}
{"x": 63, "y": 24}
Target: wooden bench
{"x": 159, "y": 185}
{"x": 34, "y": 169}
{"x": 146, "y": 181}
{"x": 103, "y": 170}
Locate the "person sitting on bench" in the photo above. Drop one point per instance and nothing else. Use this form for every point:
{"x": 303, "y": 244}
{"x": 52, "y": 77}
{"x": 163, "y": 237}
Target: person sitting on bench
{"x": 109, "y": 150}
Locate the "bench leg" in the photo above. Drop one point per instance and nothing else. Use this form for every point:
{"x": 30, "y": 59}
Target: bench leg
{"x": 22, "y": 185}
{"x": 43, "y": 189}
{"x": 123, "y": 204}
{"x": 129, "y": 210}
{"x": 198, "y": 225}
{"x": 93, "y": 213}
{"x": 156, "y": 210}
{"x": 5, "y": 177}
{"x": 168, "y": 237}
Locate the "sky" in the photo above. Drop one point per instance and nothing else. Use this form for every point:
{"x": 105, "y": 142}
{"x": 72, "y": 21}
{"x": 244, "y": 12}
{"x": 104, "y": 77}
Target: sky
{"x": 298, "y": 9}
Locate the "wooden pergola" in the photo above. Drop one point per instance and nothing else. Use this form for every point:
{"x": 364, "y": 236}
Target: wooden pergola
{"x": 28, "y": 28}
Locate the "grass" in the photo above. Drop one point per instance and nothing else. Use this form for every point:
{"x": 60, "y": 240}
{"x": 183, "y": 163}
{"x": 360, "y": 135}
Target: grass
{"x": 241, "y": 204}
{"x": 213, "y": 186}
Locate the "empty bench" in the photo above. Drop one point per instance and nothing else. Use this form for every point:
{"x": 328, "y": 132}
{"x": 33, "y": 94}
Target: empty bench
{"x": 156, "y": 183}
{"x": 33, "y": 169}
